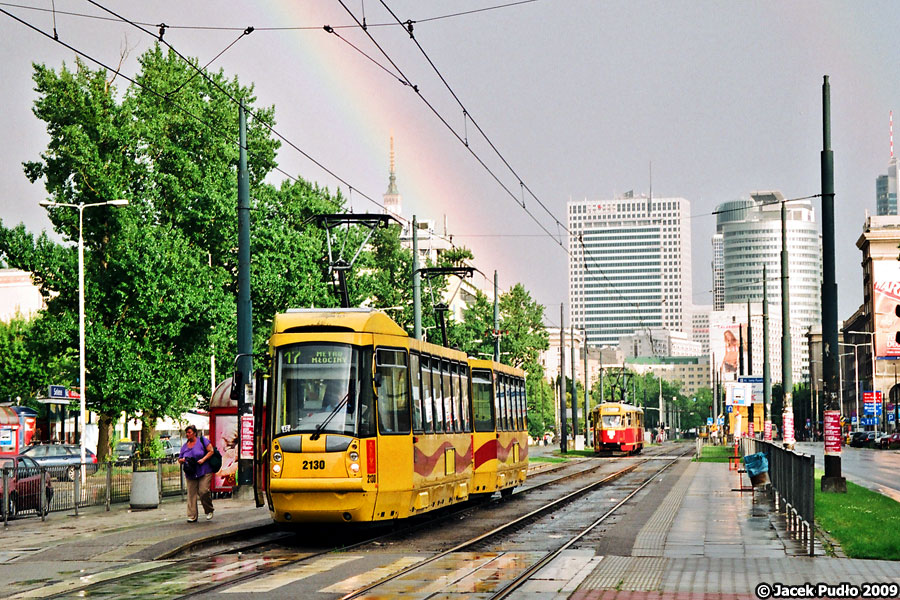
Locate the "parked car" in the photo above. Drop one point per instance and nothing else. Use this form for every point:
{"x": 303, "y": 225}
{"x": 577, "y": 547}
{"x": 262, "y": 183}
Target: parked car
{"x": 62, "y": 460}
{"x": 23, "y": 475}
{"x": 891, "y": 440}
{"x": 170, "y": 449}
{"x": 858, "y": 440}
{"x": 124, "y": 451}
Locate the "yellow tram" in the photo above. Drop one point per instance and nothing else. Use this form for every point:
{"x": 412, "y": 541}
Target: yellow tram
{"x": 360, "y": 422}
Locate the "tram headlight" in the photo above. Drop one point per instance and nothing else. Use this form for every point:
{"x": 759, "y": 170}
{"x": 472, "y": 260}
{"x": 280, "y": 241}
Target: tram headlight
{"x": 354, "y": 456}
{"x": 276, "y": 456}
{"x": 276, "y": 468}
{"x": 354, "y": 467}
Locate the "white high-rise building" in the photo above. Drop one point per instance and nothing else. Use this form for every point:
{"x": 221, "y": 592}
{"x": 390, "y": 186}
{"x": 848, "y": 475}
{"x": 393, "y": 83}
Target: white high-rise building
{"x": 754, "y": 240}
{"x": 629, "y": 266}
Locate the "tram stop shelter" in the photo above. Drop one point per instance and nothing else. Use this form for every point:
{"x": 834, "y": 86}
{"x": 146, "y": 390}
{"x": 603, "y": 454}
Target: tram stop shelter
{"x": 223, "y": 432}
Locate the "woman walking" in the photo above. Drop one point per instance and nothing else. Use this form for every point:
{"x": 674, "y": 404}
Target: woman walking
{"x": 194, "y": 459}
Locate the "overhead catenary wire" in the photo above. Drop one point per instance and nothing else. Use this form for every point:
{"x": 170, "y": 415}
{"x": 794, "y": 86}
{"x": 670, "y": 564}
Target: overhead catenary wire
{"x": 446, "y": 123}
{"x": 232, "y": 139}
{"x": 263, "y": 28}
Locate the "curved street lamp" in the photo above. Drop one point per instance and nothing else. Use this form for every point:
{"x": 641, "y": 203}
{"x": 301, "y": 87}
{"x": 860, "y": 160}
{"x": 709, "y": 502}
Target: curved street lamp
{"x": 81, "y": 206}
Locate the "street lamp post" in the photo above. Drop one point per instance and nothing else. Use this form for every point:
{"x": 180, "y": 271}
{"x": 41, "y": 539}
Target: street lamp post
{"x": 81, "y": 206}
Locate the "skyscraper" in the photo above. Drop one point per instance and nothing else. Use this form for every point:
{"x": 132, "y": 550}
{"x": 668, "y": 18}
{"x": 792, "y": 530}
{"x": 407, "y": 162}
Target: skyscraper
{"x": 629, "y": 266}
{"x": 754, "y": 240}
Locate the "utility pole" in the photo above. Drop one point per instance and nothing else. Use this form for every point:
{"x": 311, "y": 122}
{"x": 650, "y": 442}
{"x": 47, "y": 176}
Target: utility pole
{"x": 787, "y": 418}
{"x": 752, "y": 411}
{"x": 417, "y": 282}
{"x": 832, "y": 480}
{"x": 563, "y": 438}
{"x": 767, "y": 375}
{"x": 244, "y": 306}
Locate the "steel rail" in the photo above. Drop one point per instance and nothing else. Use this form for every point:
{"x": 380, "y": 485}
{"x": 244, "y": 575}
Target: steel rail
{"x": 552, "y": 505}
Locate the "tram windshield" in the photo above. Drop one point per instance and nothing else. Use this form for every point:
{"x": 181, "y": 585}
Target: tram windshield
{"x": 612, "y": 420}
{"x": 324, "y": 388}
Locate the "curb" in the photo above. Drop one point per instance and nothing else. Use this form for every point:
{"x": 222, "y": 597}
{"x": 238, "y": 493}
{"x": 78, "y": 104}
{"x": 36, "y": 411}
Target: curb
{"x": 223, "y": 536}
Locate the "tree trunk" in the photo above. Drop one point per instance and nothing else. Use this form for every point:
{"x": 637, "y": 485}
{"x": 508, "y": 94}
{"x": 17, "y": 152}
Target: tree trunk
{"x": 104, "y": 427}
{"x": 148, "y": 432}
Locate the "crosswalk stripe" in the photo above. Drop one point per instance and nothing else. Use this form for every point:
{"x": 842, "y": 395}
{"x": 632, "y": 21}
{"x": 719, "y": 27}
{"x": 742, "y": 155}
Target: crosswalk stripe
{"x": 290, "y": 575}
{"x": 370, "y": 577}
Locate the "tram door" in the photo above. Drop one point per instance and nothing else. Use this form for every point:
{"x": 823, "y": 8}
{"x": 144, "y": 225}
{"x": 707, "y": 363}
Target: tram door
{"x": 261, "y": 439}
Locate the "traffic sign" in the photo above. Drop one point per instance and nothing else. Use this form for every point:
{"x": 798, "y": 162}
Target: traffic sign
{"x": 57, "y": 391}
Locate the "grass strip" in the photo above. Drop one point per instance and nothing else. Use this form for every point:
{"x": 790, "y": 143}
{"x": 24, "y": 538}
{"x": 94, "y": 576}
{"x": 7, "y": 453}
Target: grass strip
{"x": 863, "y": 522}
{"x": 716, "y": 454}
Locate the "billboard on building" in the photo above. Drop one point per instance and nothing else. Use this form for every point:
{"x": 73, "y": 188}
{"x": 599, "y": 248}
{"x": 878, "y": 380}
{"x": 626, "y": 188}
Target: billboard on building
{"x": 886, "y": 294}
{"x": 725, "y": 328}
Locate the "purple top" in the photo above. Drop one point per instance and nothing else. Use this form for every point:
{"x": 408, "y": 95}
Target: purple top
{"x": 198, "y": 452}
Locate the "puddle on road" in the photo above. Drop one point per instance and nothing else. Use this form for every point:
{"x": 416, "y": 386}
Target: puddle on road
{"x": 179, "y": 579}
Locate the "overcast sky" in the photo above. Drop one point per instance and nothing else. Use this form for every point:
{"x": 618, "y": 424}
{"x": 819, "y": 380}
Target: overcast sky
{"x": 579, "y": 97}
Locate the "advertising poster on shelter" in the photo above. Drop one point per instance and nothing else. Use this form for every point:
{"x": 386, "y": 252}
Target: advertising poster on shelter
{"x": 887, "y": 299}
{"x": 725, "y": 333}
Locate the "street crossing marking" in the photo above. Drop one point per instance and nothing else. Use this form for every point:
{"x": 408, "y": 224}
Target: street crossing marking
{"x": 284, "y": 577}
{"x": 370, "y": 577}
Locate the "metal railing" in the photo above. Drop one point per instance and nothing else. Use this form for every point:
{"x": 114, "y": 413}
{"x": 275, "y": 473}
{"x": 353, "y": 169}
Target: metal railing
{"x": 793, "y": 480}
{"x": 65, "y": 490}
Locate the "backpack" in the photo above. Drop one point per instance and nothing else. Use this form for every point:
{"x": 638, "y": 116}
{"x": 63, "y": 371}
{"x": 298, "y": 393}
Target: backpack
{"x": 215, "y": 461}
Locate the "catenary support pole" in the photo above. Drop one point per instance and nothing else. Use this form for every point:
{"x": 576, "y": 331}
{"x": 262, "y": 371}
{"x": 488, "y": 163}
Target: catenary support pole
{"x": 497, "y": 319}
{"x": 244, "y": 307}
{"x": 587, "y": 392}
{"x": 574, "y": 387}
{"x": 416, "y": 281}
{"x": 787, "y": 383}
{"x": 563, "y": 433}
{"x": 832, "y": 480}
{"x": 767, "y": 375}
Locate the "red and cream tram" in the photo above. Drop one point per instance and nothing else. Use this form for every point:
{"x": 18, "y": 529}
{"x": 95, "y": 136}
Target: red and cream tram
{"x": 618, "y": 426}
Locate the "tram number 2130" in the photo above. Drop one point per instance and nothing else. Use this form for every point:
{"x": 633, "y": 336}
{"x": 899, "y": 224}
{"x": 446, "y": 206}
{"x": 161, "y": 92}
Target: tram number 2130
{"x": 315, "y": 465}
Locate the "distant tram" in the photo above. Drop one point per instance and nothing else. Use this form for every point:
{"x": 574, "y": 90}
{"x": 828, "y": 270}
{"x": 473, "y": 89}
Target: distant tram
{"x": 359, "y": 422}
{"x": 618, "y": 427}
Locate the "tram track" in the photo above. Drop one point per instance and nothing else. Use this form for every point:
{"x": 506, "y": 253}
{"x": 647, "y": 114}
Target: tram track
{"x": 544, "y": 560}
{"x": 273, "y": 547}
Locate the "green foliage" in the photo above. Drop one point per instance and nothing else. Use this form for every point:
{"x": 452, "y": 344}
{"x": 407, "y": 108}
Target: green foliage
{"x": 864, "y": 523}
{"x": 160, "y": 274}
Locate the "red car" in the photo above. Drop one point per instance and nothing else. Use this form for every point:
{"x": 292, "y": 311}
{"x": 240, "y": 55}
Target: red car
{"x": 889, "y": 441}
{"x": 23, "y": 475}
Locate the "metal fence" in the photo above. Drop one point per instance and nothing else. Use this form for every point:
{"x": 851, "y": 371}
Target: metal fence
{"x": 793, "y": 480}
{"x": 65, "y": 489}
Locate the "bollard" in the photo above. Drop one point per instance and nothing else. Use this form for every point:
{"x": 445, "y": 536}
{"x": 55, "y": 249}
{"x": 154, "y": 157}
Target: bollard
{"x": 42, "y": 494}
{"x": 5, "y": 496}
{"x": 108, "y": 485}
{"x": 77, "y": 493}
{"x": 159, "y": 485}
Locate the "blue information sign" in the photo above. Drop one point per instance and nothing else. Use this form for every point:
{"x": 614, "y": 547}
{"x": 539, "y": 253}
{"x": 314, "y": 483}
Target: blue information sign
{"x": 58, "y": 391}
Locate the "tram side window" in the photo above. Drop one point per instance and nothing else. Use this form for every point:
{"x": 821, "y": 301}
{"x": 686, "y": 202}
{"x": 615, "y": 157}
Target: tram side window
{"x": 393, "y": 402}
{"x": 465, "y": 408}
{"x": 415, "y": 389}
{"x": 481, "y": 400}
{"x": 501, "y": 403}
{"x": 520, "y": 396}
{"x": 427, "y": 395}
{"x": 510, "y": 417}
{"x": 449, "y": 416}
{"x": 523, "y": 388}
{"x": 517, "y": 403}
{"x": 438, "y": 395}
{"x": 457, "y": 397}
